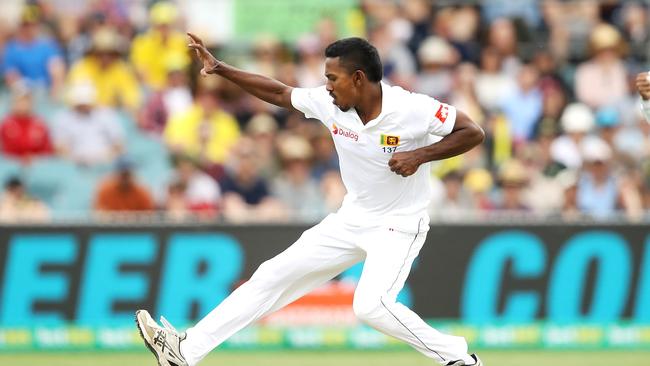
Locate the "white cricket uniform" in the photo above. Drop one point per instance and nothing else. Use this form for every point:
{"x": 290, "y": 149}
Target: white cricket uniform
{"x": 383, "y": 220}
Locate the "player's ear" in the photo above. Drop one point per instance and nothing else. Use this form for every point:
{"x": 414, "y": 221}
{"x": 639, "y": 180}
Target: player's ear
{"x": 357, "y": 77}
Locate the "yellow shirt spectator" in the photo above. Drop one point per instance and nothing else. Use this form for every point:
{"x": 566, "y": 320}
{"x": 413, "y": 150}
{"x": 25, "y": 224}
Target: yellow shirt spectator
{"x": 116, "y": 84}
{"x": 152, "y": 55}
{"x": 200, "y": 136}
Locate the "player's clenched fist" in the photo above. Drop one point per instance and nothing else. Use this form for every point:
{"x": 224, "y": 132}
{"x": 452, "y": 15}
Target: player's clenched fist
{"x": 209, "y": 62}
{"x": 643, "y": 85}
{"x": 405, "y": 163}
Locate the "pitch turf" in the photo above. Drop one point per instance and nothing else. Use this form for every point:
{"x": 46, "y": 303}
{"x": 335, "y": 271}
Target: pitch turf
{"x": 302, "y": 358}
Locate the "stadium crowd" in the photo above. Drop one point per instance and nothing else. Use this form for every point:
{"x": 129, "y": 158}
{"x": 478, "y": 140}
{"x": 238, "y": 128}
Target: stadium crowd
{"x": 103, "y": 114}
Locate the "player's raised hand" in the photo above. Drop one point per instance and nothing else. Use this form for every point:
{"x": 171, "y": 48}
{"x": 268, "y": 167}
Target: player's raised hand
{"x": 643, "y": 85}
{"x": 209, "y": 61}
{"x": 404, "y": 163}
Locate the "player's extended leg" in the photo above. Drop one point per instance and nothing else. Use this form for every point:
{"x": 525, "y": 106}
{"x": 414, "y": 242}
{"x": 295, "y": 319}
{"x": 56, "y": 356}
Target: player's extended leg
{"x": 320, "y": 254}
{"x": 390, "y": 254}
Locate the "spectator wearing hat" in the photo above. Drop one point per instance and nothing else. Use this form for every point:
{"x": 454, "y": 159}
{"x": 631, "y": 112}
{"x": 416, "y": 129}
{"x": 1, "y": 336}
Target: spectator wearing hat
{"x": 294, "y": 186}
{"x": 205, "y": 131}
{"x": 23, "y": 134}
{"x": 32, "y": 57}
{"x": 114, "y": 81}
{"x": 84, "y": 133}
{"x": 175, "y": 98}
{"x": 577, "y": 121}
{"x": 597, "y": 188}
{"x": 436, "y": 57}
{"x": 16, "y": 205}
{"x": 152, "y": 51}
{"x": 602, "y": 80}
{"x": 513, "y": 180}
{"x": 120, "y": 192}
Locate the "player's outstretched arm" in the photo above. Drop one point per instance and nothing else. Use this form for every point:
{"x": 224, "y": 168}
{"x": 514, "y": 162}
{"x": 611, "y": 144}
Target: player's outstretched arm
{"x": 263, "y": 87}
{"x": 465, "y": 135}
{"x": 643, "y": 87}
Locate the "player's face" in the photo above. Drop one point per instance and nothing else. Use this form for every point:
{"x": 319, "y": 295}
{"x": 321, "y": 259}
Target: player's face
{"x": 340, "y": 84}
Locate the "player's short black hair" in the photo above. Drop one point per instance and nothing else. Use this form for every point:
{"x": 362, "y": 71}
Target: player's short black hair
{"x": 357, "y": 54}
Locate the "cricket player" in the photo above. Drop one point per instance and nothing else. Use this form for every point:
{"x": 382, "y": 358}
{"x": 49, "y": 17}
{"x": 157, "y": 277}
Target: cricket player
{"x": 383, "y": 136}
{"x": 643, "y": 87}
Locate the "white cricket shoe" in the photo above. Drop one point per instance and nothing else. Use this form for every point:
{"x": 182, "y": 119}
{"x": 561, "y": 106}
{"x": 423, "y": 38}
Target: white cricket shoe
{"x": 164, "y": 342}
{"x": 462, "y": 363}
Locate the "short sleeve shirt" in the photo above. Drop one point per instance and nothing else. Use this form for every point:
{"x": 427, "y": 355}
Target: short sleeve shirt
{"x": 407, "y": 121}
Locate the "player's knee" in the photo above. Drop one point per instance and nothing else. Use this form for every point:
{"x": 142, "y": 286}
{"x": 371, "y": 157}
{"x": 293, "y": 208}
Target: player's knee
{"x": 368, "y": 310}
{"x": 266, "y": 274}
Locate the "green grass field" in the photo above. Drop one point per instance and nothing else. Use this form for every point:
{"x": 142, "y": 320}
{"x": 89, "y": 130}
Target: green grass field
{"x": 303, "y": 358}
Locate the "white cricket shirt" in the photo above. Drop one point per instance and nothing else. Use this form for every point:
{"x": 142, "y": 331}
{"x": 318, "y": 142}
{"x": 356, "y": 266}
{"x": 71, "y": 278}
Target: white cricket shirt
{"x": 375, "y": 194}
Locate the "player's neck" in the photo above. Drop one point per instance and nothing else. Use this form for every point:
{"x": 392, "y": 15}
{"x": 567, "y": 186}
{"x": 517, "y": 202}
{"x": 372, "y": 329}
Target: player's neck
{"x": 369, "y": 107}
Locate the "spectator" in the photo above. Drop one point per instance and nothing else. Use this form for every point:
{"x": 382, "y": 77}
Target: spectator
{"x": 479, "y": 183}
{"x": 33, "y": 58}
{"x": 294, "y": 186}
{"x": 200, "y": 192}
{"x": 602, "y": 80}
{"x": 502, "y": 36}
{"x": 87, "y": 134}
{"x": 205, "y": 132}
{"x": 597, "y": 188}
{"x": 23, "y": 135}
{"x": 492, "y": 85}
{"x": 262, "y": 129}
{"x": 513, "y": 180}
{"x": 175, "y": 98}
{"x": 523, "y": 107}
{"x": 113, "y": 79}
{"x": 456, "y": 200}
{"x": 153, "y": 50}
{"x": 436, "y": 57}
{"x": 577, "y": 120}
{"x": 120, "y": 192}
{"x": 16, "y": 205}
{"x": 246, "y": 195}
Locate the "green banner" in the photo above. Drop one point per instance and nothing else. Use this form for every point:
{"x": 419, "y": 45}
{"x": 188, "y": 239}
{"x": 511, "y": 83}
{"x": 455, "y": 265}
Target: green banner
{"x": 535, "y": 336}
{"x": 290, "y": 19}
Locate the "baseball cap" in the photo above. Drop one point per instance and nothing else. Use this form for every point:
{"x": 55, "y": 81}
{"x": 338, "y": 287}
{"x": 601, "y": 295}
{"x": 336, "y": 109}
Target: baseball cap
{"x": 607, "y": 117}
{"x": 577, "y": 117}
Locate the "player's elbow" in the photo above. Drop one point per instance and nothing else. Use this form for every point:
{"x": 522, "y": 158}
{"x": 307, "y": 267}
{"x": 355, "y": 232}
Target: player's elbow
{"x": 478, "y": 135}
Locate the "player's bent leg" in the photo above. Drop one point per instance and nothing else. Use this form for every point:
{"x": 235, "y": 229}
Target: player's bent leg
{"x": 319, "y": 255}
{"x": 390, "y": 255}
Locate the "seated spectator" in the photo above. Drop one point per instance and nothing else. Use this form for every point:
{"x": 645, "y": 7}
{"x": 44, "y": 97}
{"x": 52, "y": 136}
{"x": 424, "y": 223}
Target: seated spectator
{"x": 16, "y": 205}
{"x": 492, "y": 84}
{"x": 246, "y": 195}
{"x": 263, "y": 128}
{"x": 294, "y": 186}
{"x": 602, "y": 80}
{"x": 31, "y": 57}
{"x": 153, "y": 50}
{"x": 577, "y": 121}
{"x": 201, "y": 194}
{"x": 523, "y": 107}
{"x": 456, "y": 200}
{"x": 112, "y": 77}
{"x": 23, "y": 134}
{"x": 513, "y": 180}
{"x": 175, "y": 98}
{"x": 87, "y": 134}
{"x": 205, "y": 131}
{"x": 600, "y": 193}
{"x": 120, "y": 192}
{"x": 436, "y": 56}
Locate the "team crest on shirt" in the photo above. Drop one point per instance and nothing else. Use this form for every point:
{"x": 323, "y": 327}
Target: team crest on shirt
{"x": 389, "y": 140}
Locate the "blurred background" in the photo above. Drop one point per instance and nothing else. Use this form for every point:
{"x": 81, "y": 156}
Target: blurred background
{"x": 129, "y": 181}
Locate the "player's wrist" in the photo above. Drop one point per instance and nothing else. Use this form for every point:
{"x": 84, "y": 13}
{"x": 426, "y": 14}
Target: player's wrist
{"x": 215, "y": 67}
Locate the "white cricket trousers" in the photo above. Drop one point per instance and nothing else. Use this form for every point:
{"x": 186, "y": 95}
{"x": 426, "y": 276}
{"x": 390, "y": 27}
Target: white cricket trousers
{"x": 320, "y": 254}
